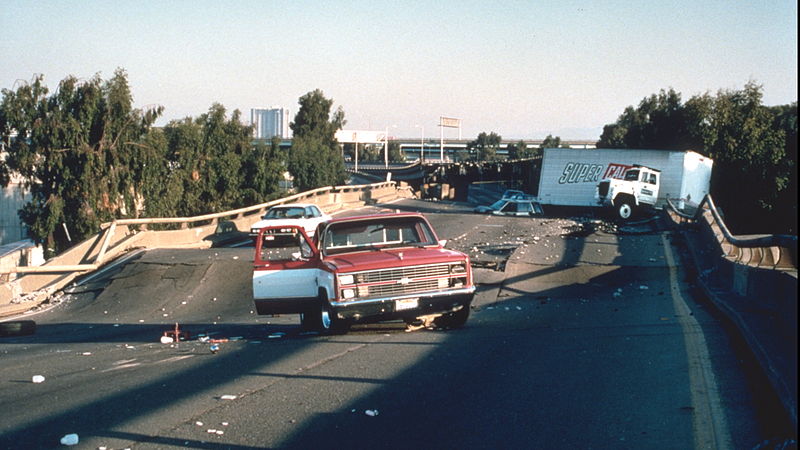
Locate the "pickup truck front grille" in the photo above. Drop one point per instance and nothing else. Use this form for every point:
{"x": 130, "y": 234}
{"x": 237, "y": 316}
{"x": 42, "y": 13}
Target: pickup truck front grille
{"x": 378, "y": 276}
{"x": 401, "y": 281}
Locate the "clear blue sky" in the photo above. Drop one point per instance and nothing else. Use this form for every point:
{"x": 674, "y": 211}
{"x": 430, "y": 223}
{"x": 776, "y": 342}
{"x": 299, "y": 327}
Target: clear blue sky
{"x": 523, "y": 69}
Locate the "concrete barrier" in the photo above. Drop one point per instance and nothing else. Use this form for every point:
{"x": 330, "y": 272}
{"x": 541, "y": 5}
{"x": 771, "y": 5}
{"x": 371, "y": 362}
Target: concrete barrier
{"x": 752, "y": 280}
{"x": 24, "y": 286}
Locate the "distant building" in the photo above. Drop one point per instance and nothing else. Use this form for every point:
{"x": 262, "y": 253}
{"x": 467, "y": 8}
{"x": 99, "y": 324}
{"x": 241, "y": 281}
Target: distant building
{"x": 270, "y": 122}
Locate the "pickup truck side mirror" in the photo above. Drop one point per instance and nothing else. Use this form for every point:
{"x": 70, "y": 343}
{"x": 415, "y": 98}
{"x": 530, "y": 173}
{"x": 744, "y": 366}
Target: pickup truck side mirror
{"x": 442, "y": 242}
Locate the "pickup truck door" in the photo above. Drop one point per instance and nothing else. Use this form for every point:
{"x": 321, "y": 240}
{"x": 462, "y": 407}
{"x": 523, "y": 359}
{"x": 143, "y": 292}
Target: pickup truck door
{"x": 285, "y": 270}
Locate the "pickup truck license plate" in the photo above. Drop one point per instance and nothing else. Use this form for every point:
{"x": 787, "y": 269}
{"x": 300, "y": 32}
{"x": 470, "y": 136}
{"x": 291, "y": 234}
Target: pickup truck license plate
{"x": 406, "y": 303}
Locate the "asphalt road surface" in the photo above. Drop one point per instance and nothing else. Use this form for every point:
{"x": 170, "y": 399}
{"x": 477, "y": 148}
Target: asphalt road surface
{"x": 581, "y": 336}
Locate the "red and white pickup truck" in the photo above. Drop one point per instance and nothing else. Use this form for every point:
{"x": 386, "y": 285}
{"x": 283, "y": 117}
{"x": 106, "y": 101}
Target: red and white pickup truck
{"x": 362, "y": 269}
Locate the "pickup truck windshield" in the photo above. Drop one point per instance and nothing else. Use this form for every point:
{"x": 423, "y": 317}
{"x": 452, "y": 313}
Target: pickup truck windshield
{"x": 372, "y": 234}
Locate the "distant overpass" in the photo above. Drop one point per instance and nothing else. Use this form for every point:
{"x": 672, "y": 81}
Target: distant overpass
{"x": 433, "y": 147}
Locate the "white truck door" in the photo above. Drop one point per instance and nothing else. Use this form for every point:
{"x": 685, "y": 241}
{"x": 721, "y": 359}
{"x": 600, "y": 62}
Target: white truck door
{"x": 648, "y": 187}
{"x": 286, "y": 267}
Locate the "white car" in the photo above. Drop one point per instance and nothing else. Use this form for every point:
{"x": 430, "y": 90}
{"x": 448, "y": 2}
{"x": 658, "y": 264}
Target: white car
{"x": 511, "y": 206}
{"x": 305, "y": 215}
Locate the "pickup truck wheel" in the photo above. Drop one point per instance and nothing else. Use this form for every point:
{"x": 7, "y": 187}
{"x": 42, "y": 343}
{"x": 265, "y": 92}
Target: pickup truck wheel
{"x": 322, "y": 319}
{"x": 330, "y": 323}
{"x": 624, "y": 209}
{"x": 17, "y": 328}
{"x": 455, "y": 319}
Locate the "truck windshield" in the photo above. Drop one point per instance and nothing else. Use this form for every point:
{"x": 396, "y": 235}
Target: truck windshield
{"x": 632, "y": 175}
{"x": 375, "y": 234}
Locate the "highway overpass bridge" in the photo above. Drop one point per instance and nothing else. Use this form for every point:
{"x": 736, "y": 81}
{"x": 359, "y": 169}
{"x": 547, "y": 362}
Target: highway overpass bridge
{"x": 583, "y": 334}
{"x": 434, "y": 149}
{"x": 427, "y": 177}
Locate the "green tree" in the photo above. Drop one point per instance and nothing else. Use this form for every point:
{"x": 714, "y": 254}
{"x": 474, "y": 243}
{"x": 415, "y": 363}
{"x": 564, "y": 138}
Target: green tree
{"x": 262, "y": 172}
{"x": 314, "y": 159}
{"x": 79, "y": 151}
{"x": 746, "y": 146}
{"x": 551, "y": 142}
{"x": 747, "y": 140}
{"x": 396, "y": 153}
{"x": 660, "y": 121}
{"x": 206, "y": 155}
{"x": 485, "y": 146}
{"x": 520, "y": 150}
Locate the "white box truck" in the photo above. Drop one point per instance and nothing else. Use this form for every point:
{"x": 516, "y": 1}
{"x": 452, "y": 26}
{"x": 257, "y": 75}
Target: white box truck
{"x": 570, "y": 177}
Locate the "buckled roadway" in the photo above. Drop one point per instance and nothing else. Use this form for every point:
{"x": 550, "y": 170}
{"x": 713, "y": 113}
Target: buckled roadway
{"x": 587, "y": 339}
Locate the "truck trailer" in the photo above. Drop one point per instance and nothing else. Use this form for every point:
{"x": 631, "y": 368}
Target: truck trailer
{"x": 570, "y": 177}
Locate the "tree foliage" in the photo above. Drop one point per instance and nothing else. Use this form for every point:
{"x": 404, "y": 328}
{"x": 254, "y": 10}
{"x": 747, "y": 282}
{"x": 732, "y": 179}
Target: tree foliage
{"x": 315, "y": 159}
{"x": 88, "y": 157}
{"x": 748, "y": 141}
{"x": 520, "y": 150}
{"x": 551, "y": 142}
{"x": 78, "y": 151}
{"x": 376, "y": 153}
{"x": 484, "y": 147}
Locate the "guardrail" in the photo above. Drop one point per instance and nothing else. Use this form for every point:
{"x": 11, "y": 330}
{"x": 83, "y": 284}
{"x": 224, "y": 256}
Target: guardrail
{"x": 26, "y": 284}
{"x": 753, "y": 281}
{"x": 767, "y": 251}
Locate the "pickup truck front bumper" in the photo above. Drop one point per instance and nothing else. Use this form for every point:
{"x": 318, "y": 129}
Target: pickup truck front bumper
{"x": 406, "y": 306}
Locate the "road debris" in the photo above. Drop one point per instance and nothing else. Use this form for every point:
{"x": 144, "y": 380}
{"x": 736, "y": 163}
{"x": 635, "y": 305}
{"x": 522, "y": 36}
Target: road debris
{"x": 177, "y": 334}
{"x": 70, "y": 439}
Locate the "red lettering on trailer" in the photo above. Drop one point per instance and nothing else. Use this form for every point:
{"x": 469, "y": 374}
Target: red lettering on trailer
{"x": 616, "y": 171}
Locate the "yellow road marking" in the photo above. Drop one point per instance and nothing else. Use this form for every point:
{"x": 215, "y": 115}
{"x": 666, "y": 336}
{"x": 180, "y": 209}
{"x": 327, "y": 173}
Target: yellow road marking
{"x": 709, "y": 424}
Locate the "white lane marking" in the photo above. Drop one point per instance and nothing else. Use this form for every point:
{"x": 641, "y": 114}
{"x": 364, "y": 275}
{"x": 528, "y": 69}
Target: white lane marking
{"x": 121, "y": 366}
{"x": 710, "y": 426}
{"x": 173, "y": 359}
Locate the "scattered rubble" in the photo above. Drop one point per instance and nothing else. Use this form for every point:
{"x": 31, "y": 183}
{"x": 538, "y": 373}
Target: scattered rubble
{"x": 70, "y": 439}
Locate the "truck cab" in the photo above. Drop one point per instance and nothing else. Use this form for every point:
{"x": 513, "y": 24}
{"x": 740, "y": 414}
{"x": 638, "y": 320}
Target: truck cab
{"x": 638, "y": 188}
{"x": 362, "y": 269}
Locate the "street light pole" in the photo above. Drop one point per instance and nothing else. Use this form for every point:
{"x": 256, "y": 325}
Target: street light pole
{"x": 421, "y": 143}
{"x": 386, "y": 149}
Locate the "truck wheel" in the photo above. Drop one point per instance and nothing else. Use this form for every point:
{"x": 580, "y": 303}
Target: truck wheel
{"x": 455, "y": 319}
{"x": 624, "y": 209}
{"x": 322, "y": 319}
{"x": 17, "y": 328}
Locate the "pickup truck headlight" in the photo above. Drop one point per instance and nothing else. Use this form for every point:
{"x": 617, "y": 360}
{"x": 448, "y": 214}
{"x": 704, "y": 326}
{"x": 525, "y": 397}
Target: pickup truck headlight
{"x": 346, "y": 279}
{"x": 348, "y": 293}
